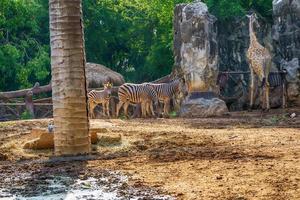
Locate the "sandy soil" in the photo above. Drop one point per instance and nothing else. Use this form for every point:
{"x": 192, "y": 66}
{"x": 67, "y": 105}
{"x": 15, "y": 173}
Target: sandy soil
{"x": 241, "y": 156}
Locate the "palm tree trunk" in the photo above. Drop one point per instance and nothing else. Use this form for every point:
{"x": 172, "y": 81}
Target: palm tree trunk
{"x": 70, "y": 113}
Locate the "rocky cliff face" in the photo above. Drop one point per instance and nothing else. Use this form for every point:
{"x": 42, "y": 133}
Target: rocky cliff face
{"x": 286, "y": 43}
{"x": 196, "y": 59}
{"x": 195, "y": 46}
{"x": 286, "y": 29}
{"x": 228, "y": 43}
{"x": 233, "y": 42}
{"x": 281, "y": 36}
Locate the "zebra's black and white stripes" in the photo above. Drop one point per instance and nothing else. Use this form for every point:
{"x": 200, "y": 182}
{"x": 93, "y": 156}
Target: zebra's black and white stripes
{"x": 100, "y": 97}
{"x": 276, "y": 79}
{"x": 137, "y": 94}
{"x": 167, "y": 91}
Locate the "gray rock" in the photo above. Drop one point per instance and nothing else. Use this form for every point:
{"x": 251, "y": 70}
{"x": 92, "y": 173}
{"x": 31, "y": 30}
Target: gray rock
{"x": 195, "y": 46}
{"x": 286, "y": 29}
{"x": 202, "y": 107}
{"x": 196, "y": 58}
{"x": 293, "y": 70}
{"x": 286, "y": 43}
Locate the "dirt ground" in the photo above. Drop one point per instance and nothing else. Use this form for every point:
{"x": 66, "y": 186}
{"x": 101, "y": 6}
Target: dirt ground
{"x": 239, "y": 156}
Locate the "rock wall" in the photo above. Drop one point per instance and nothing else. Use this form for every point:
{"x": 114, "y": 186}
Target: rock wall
{"x": 233, "y": 41}
{"x": 281, "y": 36}
{"x": 228, "y": 47}
{"x": 195, "y": 46}
{"x": 196, "y": 59}
{"x": 286, "y": 43}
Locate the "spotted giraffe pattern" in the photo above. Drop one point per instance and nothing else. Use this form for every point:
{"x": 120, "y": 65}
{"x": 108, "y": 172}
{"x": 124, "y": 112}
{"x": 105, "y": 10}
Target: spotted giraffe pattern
{"x": 259, "y": 59}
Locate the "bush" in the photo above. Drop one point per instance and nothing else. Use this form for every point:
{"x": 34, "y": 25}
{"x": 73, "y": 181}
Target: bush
{"x": 26, "y": 115}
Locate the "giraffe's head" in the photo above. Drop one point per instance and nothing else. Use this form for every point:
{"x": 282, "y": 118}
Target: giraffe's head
{"x": 253, "y": 19}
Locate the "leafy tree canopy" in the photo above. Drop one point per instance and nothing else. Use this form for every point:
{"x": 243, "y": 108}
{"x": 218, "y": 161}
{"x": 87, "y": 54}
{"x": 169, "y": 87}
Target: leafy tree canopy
{"x": 24, "y": 59}
{"x": 133, "y": 37}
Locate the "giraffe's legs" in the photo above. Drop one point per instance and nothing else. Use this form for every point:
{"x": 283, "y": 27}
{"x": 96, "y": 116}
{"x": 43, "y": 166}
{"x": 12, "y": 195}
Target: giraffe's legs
{"x": 283, "y": 95}
{"x": 265, "y": 97}
{"x": 268, "y": 94}
{"x": 251, "y": 89}
{"x": 263, "y": 94}
{"x": 267, "y": 84}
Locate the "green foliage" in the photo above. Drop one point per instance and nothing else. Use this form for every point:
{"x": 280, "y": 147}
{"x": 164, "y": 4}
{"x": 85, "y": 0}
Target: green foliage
{"x": 228, "y": 9}
{"x": 173, "y": 114}
{"x": 133, "y": 37}
{"x": 23, "y": 58}
{"x": 26, "y": 115}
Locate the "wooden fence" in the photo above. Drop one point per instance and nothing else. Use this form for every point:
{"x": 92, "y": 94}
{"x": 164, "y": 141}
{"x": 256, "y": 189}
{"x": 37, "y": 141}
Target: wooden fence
{"x": 28, "y": 103}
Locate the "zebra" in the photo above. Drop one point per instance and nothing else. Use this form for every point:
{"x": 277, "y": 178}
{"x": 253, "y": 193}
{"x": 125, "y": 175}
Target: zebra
{"x": 130, "y": 93}
{"x": 277, "y": 79}
{"x": 100, "y": 97}
{"x": 167, "y": 91}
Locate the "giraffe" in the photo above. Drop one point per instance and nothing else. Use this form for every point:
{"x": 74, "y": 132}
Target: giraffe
{"x": 259, "y": 59}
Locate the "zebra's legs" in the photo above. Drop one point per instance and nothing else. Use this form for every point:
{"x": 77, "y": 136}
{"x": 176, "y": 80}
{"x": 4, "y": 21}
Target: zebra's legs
{"x": 91, "y": 109}
{"x": 166, "y": 107}
{"x": 148, "y": 111}
{"x": 104, "y": 108}
{"x": 151, "y": 109}
{"x": 251, "y": 89}
{"x": 126, "y": 104}
{"x": 107, "y": 109}
{"x": 160, "y": 108}
{"x": 143, "y": 106}
{"x": 119, "y": 105}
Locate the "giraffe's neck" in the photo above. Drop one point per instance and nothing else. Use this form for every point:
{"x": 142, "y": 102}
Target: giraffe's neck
{"x": 253, "y": 39}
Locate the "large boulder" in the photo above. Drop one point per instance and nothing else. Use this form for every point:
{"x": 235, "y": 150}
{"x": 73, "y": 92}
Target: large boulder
{"x": 97, "y": 75}
{"x": 196, "y": 59}
{"x": 202, "y": 107}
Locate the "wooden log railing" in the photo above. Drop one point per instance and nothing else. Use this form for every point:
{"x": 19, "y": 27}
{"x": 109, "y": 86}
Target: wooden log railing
{"x": 36, "y": 89}
{"x": 27, "y": 94}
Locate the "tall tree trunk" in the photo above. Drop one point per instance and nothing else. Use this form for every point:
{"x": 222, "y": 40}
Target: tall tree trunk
{"x": 70, "y": 113}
